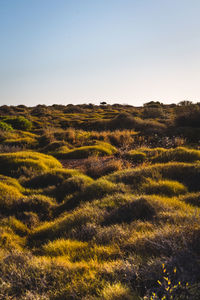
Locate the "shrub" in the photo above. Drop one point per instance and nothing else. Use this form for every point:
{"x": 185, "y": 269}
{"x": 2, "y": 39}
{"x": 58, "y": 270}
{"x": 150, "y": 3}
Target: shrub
{"x": 16, "y": 164}
{"x": 5, "y": 127}
{"x": 164, "y": 187}
{"x": 20, "y": 123}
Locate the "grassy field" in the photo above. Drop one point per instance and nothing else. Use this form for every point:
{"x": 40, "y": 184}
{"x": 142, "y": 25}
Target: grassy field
{"x": 100, "y": 202}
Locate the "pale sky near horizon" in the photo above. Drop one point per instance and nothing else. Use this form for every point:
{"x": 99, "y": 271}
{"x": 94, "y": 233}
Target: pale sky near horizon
{"x": 87, "y": 51}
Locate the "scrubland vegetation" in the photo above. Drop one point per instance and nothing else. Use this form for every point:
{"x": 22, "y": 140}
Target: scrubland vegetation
{"x": 100, "y": 202}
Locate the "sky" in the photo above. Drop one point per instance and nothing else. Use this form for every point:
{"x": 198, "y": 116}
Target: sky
{"x": 89, "y": 51}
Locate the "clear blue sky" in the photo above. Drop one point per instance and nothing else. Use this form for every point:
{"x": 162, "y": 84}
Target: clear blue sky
{"x": 87, "y": 51}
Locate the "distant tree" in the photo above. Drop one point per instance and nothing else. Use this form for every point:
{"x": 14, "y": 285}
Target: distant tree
{"x": 103, "y": 103}
{"x": 185, "y": 103}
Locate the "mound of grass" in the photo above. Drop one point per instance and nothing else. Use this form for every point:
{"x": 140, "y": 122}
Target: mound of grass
{"x": 164, "y": 187}
{"x": 136, "y": 156}
{"x": 179, "y": 154}
{"x": 53, "y": 177}
{"x": 62, "y": 226}
{"x": 186, "y": 173}
{"x": 77, "y": 183}
{"x": 8, "y": 196}
{"x": 101, "y": 149}
{"x": 21, "y": 142}
{"x": 16, "y": 164}
{"x": 100, "y": 188}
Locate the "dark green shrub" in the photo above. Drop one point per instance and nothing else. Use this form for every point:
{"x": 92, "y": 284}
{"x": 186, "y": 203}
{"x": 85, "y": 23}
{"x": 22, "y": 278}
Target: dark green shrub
{"x": 20, "y": 123}
{"x": 5, "y": 127}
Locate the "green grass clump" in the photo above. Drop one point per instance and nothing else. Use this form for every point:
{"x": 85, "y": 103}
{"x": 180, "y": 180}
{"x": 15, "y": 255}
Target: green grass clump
{"x": 164, "y": 187}
{"x": 20, "y": 123}
{"x": 16, "y": 164}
